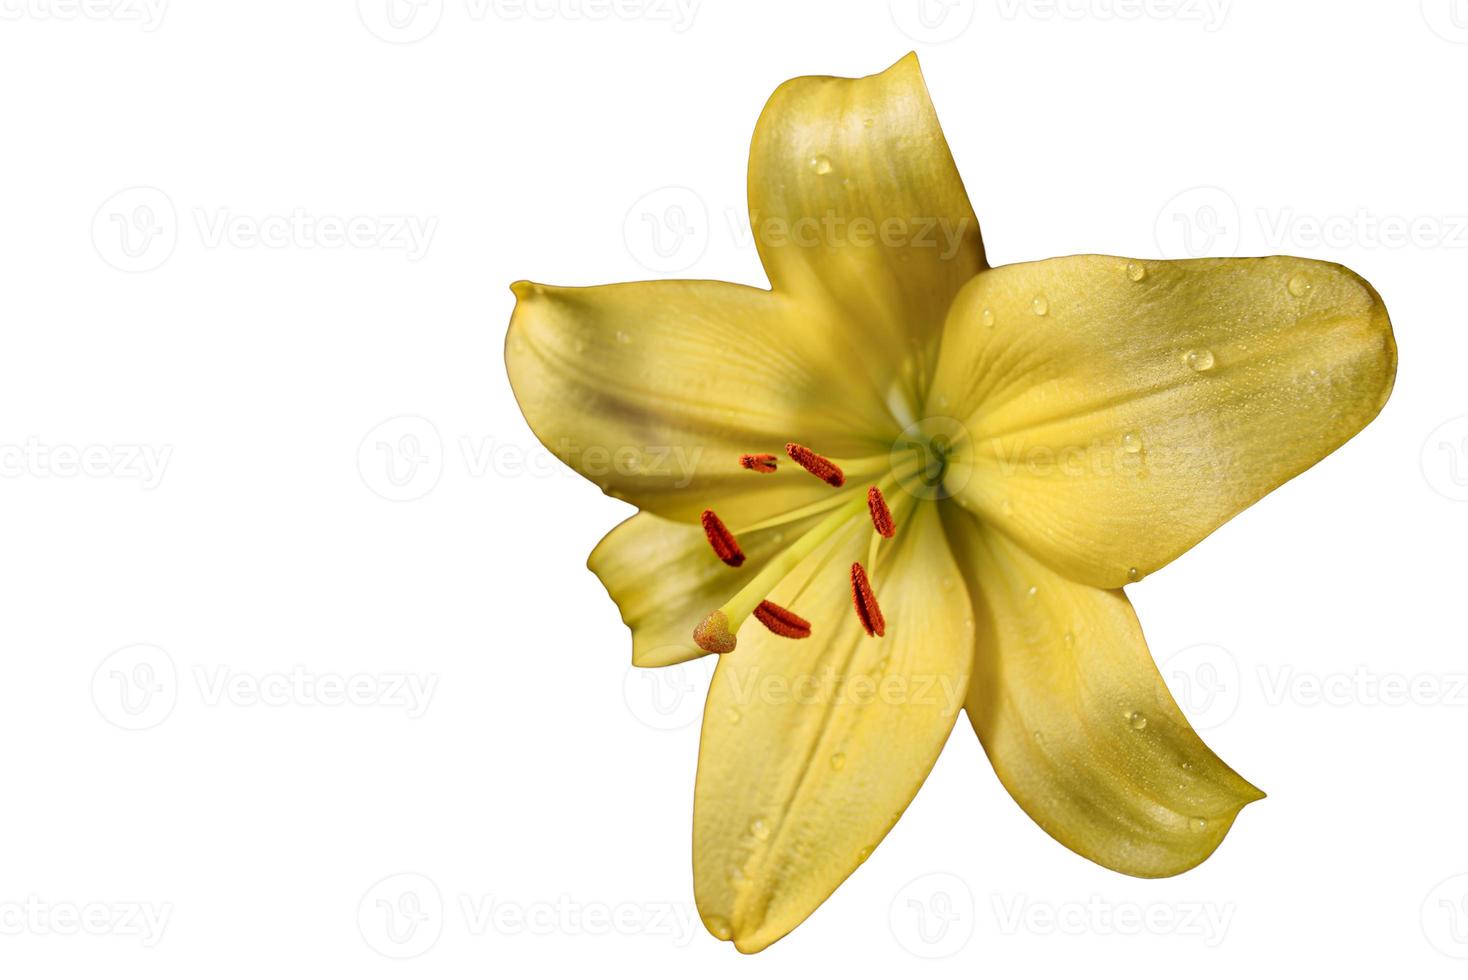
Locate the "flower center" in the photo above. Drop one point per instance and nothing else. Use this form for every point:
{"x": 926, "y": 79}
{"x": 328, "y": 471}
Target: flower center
{"x": 924, "y": 465}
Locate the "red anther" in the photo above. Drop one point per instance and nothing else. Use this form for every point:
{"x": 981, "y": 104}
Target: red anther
{"x": 781, "y": 621}
{"x": 816, "y": 464}
{"x": 865, "y": 601}
{"x": 759, "y": 462}
{"x": 721, "y": 540}
{"x": 881, "y": 516}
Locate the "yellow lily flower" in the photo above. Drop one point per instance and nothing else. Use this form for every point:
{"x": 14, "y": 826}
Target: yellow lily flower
{"x": 899, "y": 484}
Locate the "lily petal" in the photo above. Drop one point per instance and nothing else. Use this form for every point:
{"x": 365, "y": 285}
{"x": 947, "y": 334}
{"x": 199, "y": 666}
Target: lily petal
{"x": 1118, "y": 411}
{"x": 857, "y": 208}
{"x": 1077, "y": 721}
{"x": 662, "y": 576}
{"x": 812, "y": 748}
{"x": 653, "y": 390}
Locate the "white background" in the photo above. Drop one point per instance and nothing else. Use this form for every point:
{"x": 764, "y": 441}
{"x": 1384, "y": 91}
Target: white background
{"x": 249, "y": 467}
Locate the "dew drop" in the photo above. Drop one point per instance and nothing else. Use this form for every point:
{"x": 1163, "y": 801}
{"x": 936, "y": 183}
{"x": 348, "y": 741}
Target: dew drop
{"x": 735, "y": 874}
{"x": 1032, "y": 591}
{"x": 1199, "y": 360}
{"x": 1136, "y": 271}
{"x": 1298, "y": 285}
{"x": 820, "y": 163}
{"x": 1007, "y": 507}
{"x": 718, "y": 926}
{"x": 868, "y": 123}
{"x": 1188, "y": 766}
{"x": 864, "y": 853}
{"x": 1131, "y": 442}
{"x": 1198, "y": 824}
{"x": 987, "y": 317}
{"x": 623, "y": 337}
{"x": 838, "y": 761}
{"x": 759, "y": 829}
{"x": 1070, "y": 639}
{"x": 733, "y": 716}
{"x": 1040, "y": 305}
{"x": 1039, "y": 737}
{"x": 1137, "y": 720}
{"x": 1133, "y": 574}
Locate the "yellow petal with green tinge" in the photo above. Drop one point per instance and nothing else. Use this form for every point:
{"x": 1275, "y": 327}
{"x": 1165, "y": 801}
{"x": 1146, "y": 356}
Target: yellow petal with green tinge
{"x": 1078, "y": 723}
{"x": 1119, "y": 410}
{"x": 812, "y": 748}
{"x": 858, "y": 210}
{"x": 653, "y": 390}
{"x": 664, "y": 578}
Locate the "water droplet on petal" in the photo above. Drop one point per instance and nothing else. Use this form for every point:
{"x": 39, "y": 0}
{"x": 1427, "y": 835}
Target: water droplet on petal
{"x": 987, "y": 317}
{"x": 1137, "y": 720}
{"x": 1007, "y": 507}
{"x": 718, "y": 926}
{"x": 1133, "y": 574}
{"x": 1298, "y": 285}
{"x": 838, "y": 761}
{"x": 1039, "y": 737}
{"x": 1136, "y": 271}
{"x": 759, "y": 829}
{"x": 1199, "y": 824}
{"x": 1131, "y": 442}
{"x": 733, "y": 716}
{"x": 868, "y": 123}
{"x": 820, "y": 163}
{"x": 1199, "y": 360}
{"x": 1070, "y": 640}
{"x": 1040, "y": 305}
{"x": 623, "y": 337}
{"x": 1032, "y": 591}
